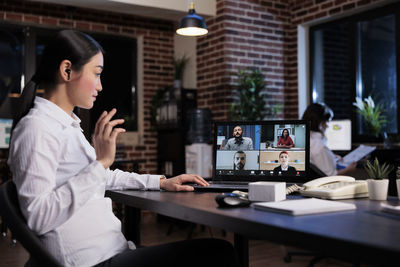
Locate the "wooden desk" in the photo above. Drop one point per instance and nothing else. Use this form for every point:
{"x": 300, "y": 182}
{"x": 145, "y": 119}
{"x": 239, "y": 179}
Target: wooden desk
{"x": 366, "y": 235}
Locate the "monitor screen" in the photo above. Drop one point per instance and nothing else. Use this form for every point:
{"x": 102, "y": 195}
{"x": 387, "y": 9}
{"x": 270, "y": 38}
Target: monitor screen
{"x": 5, "y": 131}
{"x": 266, "y": 150}
{"x": 338, "y": 135}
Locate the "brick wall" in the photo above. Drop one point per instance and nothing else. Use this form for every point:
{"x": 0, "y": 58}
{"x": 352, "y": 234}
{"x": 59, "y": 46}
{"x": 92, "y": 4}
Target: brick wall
{"x": 244, "y": 34}
{"x": 157, "y": 48}
{"x": 263, "y": 34}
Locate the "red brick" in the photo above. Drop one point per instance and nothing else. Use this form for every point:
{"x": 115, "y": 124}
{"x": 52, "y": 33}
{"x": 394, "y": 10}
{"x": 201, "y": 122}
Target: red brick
{"x": 339, "y": 2}
{"x": 98, "y": 27}
{"x": 32, "y": 19}
{"x": 13, "y": 17}
{"x": 82, "y": 25}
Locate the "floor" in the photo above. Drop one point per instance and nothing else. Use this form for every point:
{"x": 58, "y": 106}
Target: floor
{"x": 157, "y": 230}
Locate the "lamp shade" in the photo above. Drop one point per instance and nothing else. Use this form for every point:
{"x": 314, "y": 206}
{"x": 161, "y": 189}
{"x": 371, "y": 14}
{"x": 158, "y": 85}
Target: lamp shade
{"x": 192, "y": 24}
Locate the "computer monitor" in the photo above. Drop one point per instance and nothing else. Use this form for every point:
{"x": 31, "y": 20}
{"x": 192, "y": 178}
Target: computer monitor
{"x": 5, "y": 131}
{"x": 338, "y": 135}
{"x": 260, "y": 151}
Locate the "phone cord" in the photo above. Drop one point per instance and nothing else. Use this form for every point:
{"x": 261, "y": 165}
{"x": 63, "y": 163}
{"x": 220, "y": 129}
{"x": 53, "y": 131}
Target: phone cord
{"x": 293, "y": 188}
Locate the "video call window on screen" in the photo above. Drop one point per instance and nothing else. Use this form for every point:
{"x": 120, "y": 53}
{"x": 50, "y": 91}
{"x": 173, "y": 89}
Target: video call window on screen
{"x": 270, "y": 149}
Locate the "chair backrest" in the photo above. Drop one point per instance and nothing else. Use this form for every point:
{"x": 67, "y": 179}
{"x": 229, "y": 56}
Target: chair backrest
{"x": 12, "y": 215}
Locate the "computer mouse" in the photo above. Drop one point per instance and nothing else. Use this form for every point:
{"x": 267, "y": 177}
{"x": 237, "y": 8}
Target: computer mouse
{"x": 229, "y": 200}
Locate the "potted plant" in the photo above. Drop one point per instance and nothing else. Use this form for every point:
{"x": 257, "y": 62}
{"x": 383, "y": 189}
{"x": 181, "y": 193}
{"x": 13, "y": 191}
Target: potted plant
{"x": 378, "y": 183}
{"x": 250, "y": 98}
{"x": 179, "y": 68}
{"x": 157, "y": 102}
{"x": 372, "y": 114}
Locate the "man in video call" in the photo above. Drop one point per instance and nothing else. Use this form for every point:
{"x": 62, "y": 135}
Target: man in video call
{"x": 239, "y": 160}
{"x": 238, "y": 142}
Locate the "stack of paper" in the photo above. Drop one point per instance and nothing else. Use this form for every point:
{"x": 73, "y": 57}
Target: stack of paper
{"x": 304, "y": 206}
{"x": 357, "y": 154}
{"x": 390, "y": 208}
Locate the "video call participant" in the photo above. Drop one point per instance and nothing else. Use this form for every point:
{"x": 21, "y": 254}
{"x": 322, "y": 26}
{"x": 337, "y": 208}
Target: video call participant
{"x": 285, "y": 141}
{"x": 320, "y": 155}
{"x": 239, "y": 160}
{"x": 284, "y": 169}
{"x": 238, "y": 142}
{"x": 61, "y": 179}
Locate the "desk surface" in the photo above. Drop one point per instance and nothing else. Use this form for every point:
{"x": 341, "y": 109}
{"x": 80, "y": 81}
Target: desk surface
{"x": 366, "y": 234}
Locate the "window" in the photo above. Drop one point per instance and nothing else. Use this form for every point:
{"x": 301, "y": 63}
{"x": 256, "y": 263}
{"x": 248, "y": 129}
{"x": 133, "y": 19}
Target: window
{"x": 376, "y": 67}
{"x": 119, "y": 81}
{"x": 11, "y": 67}
{"x": 357, "y": 57}
{"x": 21, "y": 49}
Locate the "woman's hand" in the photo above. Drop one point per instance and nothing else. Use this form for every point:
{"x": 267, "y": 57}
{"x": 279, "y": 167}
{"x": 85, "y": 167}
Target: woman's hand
{"x": 348, "y": 170}
{"x": 177, "y": 183}
{"x": 338, "y": 158}
{"x": 105, "y": 136}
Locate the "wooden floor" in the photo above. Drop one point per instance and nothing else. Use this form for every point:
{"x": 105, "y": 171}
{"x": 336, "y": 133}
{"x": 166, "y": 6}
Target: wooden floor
{"x": 154, "y": 231}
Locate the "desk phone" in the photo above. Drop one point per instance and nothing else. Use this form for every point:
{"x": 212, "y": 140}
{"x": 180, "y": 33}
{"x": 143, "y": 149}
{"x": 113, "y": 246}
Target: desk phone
{"x": 335, "y": 187}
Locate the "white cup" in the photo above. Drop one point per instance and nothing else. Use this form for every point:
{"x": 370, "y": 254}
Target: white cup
{"x": 398, "y": 187}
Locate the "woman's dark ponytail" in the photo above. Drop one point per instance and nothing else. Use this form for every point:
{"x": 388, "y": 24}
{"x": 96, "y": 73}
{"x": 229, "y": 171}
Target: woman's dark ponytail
{"x": 25, "y": 101}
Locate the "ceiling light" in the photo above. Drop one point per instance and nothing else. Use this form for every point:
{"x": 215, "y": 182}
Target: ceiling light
{"x": 192, "y": 24}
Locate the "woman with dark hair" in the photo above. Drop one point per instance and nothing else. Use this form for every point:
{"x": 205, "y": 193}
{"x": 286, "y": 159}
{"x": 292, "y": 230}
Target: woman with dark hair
{"x": 61, "y": 179}
{"x": 320, "y": 155}
{"x": 285, "y": 141}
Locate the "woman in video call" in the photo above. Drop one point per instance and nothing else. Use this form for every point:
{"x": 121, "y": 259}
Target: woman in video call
{"x": 320, "y": 155}
{"x": 285, "y": 141}
{"x": 284, "y": 169}
{"x": 61, "y": 179}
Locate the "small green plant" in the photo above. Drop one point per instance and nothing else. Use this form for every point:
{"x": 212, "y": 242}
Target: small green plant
{"x": 372, "y": 114}
{"x": 398, "y": 173}
{"x": 378, "y": 171}
{"x": 179, "y": 67}
{"x": 250, "y": 97}
{"x": 156, "y": 102}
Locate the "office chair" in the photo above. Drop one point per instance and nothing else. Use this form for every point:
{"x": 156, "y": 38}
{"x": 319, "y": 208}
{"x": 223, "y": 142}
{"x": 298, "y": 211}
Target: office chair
{"x": 4, "y": 229}
{"x": 12, "y": 215}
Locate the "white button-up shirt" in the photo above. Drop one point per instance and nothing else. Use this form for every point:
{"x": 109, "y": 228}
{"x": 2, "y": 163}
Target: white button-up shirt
{"x": 61, "y": 187}
{"x": 320, "y": 155}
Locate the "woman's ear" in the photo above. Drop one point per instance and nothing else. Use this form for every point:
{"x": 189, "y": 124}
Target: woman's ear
{"x": 65, "y": 70}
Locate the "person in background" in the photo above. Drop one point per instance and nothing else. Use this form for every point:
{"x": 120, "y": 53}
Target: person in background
{"x": 238, "y": 142}
{"x": 285, "y": 141}
{"x": 239, "y": 160}
{"x": 284, "y": 169}
{"x": 61, "y": 179}
{"x": 320, "y": 155}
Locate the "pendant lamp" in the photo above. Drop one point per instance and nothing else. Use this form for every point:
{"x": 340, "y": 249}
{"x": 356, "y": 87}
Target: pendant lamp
{"x": 192, "y": 24}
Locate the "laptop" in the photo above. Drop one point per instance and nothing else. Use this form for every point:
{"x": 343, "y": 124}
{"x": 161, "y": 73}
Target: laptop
{"x": 257, "y": 153}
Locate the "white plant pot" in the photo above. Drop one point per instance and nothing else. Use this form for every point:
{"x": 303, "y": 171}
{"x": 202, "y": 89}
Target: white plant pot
{"x": 378, "y": 189}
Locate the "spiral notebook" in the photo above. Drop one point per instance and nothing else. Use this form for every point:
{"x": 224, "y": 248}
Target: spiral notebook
{"x": 304, "y": 206}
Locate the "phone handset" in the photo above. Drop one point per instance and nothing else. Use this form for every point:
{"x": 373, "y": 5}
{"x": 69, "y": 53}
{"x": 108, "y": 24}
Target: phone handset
{"x": 327, "y": 180}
